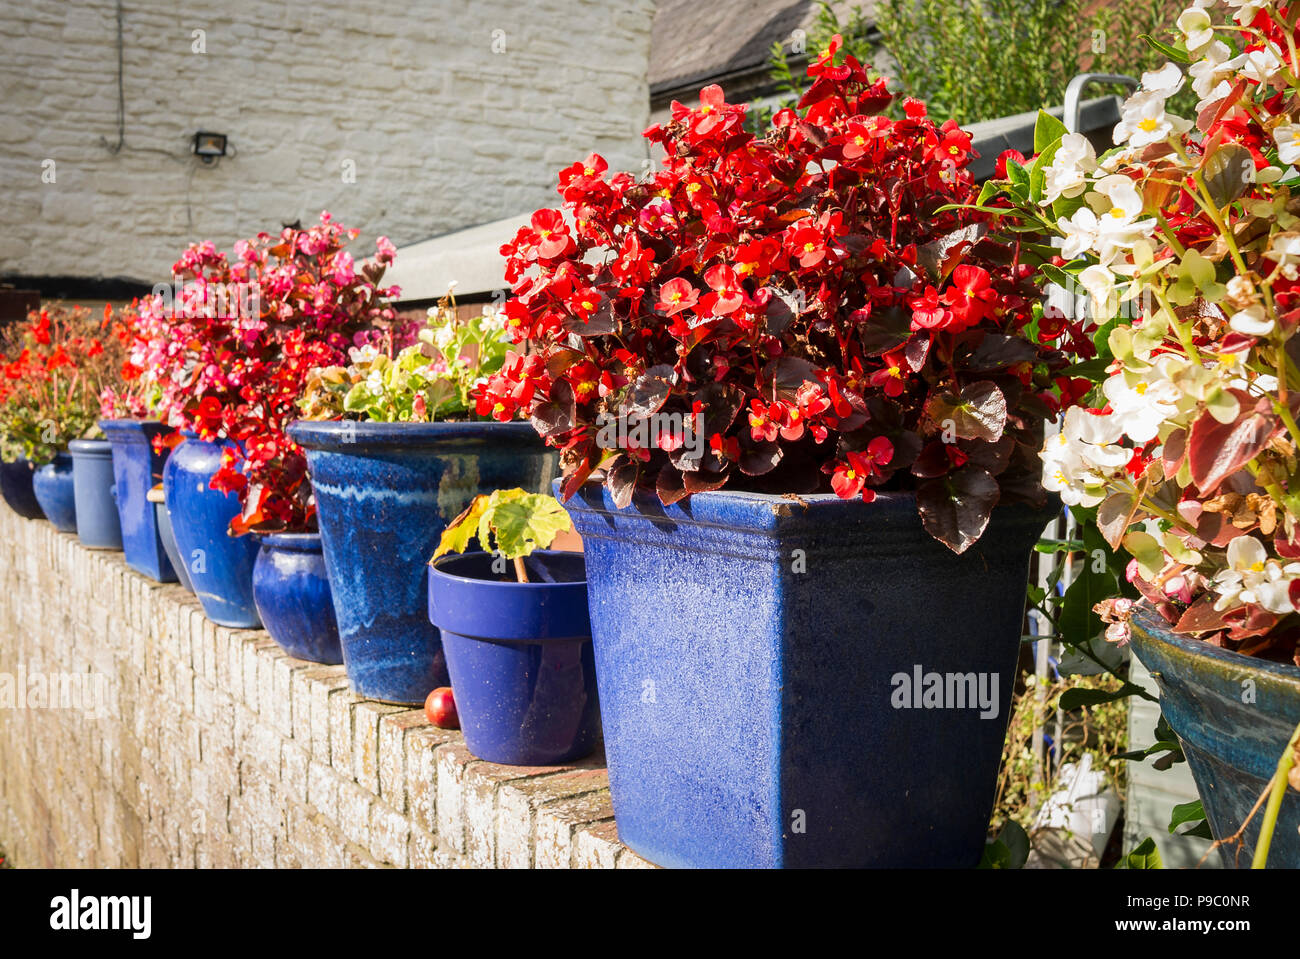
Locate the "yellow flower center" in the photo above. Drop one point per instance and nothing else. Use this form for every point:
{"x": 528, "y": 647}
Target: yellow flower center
{"x": 1117, "y": 213}
{"x": 1140, "y": 389}
{"x": 850, "y": 475}
{"x": 1147, "y": 124}
{"x": 1257, "y": 567}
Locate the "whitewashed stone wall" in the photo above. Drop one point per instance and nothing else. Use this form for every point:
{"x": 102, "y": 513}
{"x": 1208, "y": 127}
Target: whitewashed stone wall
{"x": 134, "y": 732}
{"x": 449, "y": 113}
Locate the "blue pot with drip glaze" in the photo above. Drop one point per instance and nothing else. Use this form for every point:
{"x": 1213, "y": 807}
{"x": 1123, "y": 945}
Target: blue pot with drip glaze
{"x": 384, "y": 494}
{"x": 137, "y": 468}
{"x": 220, "y": 565}
{"x": 1232, "y": 746}
{"x": 293, "y": 597}
{"x": 94, "y": 486}
{"x": 16, "y": 487}
{"x": 56, "y": 492}
{"x": 519, "y": 655}
{"x": 763, "y": 671}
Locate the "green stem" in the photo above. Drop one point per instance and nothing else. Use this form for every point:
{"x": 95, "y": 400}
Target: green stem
{"x": 1184, "y": 333}
{"x": 1279, "y": 787}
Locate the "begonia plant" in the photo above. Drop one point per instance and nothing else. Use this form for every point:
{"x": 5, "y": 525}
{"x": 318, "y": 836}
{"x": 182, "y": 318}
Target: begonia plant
{"x": 428, "y": 380}
{"x": 1186, "y": 239}
{"x": 56, "y": 364}
{"x": 230, "y": 349}
{"x": 809, "y": 310}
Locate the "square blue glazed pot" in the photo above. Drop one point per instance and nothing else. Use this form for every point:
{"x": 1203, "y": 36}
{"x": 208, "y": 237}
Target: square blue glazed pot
{"x": 752, "y": 654}
{"x": 1234, "y": 715}
{"x": 384, "y": 494}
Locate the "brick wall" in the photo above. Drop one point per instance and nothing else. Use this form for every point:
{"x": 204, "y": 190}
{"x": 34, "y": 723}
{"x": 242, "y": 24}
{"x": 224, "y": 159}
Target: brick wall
{"x": 446, "y": 115}
{"x": 197, "y": 745}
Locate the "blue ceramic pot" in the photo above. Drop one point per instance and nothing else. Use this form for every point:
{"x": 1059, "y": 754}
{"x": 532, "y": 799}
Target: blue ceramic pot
{"x": 98, "y": 526}
{"x": 384, "y": 494}
{"x": 169, "y": 545}
{"x": 293, "y": 597}
{"x": 136, "y": 470}
{"x": 56, "y": 492}
{"x": 519, "y": 655}
{"x": 1232, "y": 747}
{"x": 764, "y": 670}
{"x": 16, "y": 487}
{"x": 220, "y": 565}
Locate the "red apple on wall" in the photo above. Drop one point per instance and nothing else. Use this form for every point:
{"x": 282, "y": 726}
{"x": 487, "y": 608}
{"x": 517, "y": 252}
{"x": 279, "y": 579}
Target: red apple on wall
{"x": 440, "y": 708}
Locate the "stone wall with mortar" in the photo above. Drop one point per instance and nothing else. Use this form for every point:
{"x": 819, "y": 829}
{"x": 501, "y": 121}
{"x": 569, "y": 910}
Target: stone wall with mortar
{"x": 134, "y": 732}
{"x": 405, "y": 120}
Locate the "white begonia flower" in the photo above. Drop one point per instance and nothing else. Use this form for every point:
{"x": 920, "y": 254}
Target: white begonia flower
{"x": 1258, "y": 65}
{"x": 1164, "y": 82}
{"x": 1118, "y": 227}
{"x": 1210, "y": 71}
{"x": 1248, "y": 9}
{"x": 443, "y": 335}
{"x": 1080, "y": 233}
{"x": 1080, "y": 460}
{"x": 1253, "y": 577}
{"x": 1143, "y": 121}
{"x": 1252, "y": 321}
{"x": 1287, "y": 137}
{"x": 1067, "y": 174}
{"x": 375, "y": 382}
{"x": 1141, "y": 403}
{"x": 1285, "y": 251}
{"x": 1197, "y": 28}
{"x": 1100, "y": 284}
{"x": 363, "y": 354}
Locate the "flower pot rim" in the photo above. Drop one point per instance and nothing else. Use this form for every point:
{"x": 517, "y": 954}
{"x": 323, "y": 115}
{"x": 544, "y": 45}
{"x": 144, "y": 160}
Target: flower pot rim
{"x": 302, "y": 542}
{"x": 345, "y": 435}
{"x": 1224, "y": 662}
{"x": 90, "y": 447}
{"x": 770, "y": 512}
{"x": 436, "y": 568}
{"x": 119, "y": 422}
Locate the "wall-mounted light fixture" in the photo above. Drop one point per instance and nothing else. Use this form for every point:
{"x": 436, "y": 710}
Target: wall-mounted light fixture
{"x": 209, "y": 146}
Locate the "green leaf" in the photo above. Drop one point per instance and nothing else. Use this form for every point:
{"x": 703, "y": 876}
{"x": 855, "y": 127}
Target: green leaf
{"x": 529, "y": 523}
{"x": 1010, "y": 850}
{"x": 456, "y": 537}
{"x": 1078, "y": 697}
{"x": 1047, "y": 130}
{"x": 1176, "y": 53}
{"x": 1145, "y": 856}
{"x": 1186, "y": 812}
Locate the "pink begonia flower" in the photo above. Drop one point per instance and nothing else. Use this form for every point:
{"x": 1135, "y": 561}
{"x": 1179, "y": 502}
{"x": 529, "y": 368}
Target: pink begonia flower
{"x": 387, "y": 252}
{"x": 343, "y": 273}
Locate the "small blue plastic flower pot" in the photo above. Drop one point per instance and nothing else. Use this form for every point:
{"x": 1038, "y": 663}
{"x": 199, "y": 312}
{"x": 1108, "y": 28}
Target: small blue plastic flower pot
{"x": 98, "y": 525}
{"x": 137, "y": 468}
{"x": 220, "y": 565}
{"x": 1232, "y": 742}
{"x": 56, "y": 493}
{"x": 16, "y": 487}
{"x": 293, "y": 597}
{"x": 520, "y": 656}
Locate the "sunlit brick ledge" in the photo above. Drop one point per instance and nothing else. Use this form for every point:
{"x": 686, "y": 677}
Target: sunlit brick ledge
{"x": 215, "y": 749}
